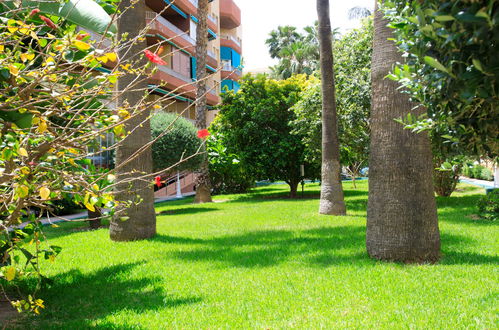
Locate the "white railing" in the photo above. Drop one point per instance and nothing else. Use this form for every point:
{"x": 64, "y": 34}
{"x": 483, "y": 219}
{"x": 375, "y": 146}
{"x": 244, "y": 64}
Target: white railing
{"x": 234, "y": 39}
{"x": 212, "y": 54}
{"x": 213, "y": 18}
{"x": 175, "y": 74}
{"x": 153, "y": 16}
{"x": 227, "y": 66}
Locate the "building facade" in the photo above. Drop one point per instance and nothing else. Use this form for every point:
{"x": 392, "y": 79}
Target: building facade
{"x": 173, "y": 24}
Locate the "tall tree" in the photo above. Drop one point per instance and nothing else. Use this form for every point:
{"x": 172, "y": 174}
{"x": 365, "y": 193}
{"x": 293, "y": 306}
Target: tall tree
{"x": 140, "y": 215}
{"x": 402, "y": 220}
{"x": 332, "y": 199}
{"x": 203, "y": 186}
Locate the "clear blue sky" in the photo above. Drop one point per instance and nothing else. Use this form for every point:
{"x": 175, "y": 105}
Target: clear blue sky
{"x": 259, "y": 17}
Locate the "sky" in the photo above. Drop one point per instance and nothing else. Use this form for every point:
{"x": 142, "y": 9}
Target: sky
{"x": 259, "y": 17}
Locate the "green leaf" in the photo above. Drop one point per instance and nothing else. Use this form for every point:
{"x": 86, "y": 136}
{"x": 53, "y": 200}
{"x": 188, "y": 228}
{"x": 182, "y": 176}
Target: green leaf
{"x": 478, "y": 65}
{"x": 436, "y": 64}
{"x": 444, "y": 18}
{"x": 85, "y": 13}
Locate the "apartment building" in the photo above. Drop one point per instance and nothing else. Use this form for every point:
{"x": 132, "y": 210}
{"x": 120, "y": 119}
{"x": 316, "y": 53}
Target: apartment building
{"x": 173, "y": 22}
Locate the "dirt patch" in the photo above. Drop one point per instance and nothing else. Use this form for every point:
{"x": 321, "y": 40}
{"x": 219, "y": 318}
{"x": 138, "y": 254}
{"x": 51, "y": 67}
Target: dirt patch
{"x": 474, "y": 217}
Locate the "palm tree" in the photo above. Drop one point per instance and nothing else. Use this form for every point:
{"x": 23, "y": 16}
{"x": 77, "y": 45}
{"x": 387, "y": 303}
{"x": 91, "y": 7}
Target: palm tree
{"x": 140, "y": 215}
{"x": 332, "y": 200}
{"x": 402, "y": 220}
{"x": 281, "y": 38}
{"x": 203, "y": 186}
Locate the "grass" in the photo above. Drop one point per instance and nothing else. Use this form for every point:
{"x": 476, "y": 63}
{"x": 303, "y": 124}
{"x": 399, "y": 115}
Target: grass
{"x": 261, "y": 261}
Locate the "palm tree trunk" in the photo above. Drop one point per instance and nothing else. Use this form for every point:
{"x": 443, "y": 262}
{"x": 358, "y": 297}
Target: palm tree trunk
{"x": 402, "y": 220}
{"x": 203, "y": 186}
{"x": 332, "y": 200}
{"x": 140, "y": 215}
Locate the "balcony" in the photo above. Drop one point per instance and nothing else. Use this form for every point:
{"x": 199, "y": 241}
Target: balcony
{"x": 230, "y": 14}
{"x": 179, "y": 84}
{"x": 159, "y": 25}
{"x": 230, "y": 72}
{"x": 211, "y": 59}
{"x": 231, "y": 42}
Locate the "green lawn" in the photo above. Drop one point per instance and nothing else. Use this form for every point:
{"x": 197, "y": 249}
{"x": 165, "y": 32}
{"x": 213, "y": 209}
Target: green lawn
{"x": 262, "y": 261}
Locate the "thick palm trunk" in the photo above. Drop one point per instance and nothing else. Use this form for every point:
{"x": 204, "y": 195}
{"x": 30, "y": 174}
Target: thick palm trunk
{"x": 141, "y": 222}
{"x": 203, "y": 186}
{"x": 332, "y": 200}
{"x": 402, "y": 220}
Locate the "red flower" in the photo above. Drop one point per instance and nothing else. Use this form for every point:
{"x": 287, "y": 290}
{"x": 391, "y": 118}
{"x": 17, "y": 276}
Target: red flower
{"x": 157, "y": 181}
{"x": 203, "y": 133}
{"x": 82, "y": 35}
{"x": 34, "y": 12}
{"x": 49, "y": 22}
{"x": 154, "y": 57}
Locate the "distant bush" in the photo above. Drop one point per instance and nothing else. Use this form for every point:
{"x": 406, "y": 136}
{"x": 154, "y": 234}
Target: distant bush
{"x": 486, "y": 174}
{"x": 478, "y": 172}
{"x": 488, "y": 205}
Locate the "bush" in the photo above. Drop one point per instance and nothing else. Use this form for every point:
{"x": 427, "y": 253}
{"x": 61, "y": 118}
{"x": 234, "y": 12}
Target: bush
{"x": 180, "y": 141}
{"x": 227, "y": 174}
{"x": 486, "y": 174}
{"x": 477, "y": 171}
{"x": 488, "y": 205}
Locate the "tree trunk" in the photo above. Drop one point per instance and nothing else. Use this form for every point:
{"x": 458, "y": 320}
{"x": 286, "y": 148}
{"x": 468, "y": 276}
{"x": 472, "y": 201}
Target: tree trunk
{"x": 293, "y": 188}
{"x": 402, "y": 220}
{"x": 96, "y": 216}
{"x": 332, "y": 199}
{"x": 138, "y": 220}
{"x": 203, "y": 185}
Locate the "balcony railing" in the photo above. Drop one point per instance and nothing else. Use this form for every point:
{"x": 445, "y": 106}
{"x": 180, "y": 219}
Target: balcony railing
{"x": 175, "y": 74}
{"x": 212, "y": 18}
{"x": 234, "y": 39}
{"x": 153, "y": 16}
{"x": 212, "y": 54}
{"x": 226, "y": 66}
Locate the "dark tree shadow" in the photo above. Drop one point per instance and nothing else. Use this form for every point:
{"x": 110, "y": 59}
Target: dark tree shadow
{"x": 186, "y": 210}
{"x": 267, "y": 248}
{"x": 106, "y": 291}
{"x": 460, "y": 209}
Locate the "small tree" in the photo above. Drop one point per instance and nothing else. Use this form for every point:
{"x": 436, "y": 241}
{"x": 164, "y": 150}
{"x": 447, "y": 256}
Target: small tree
{"x": 256, "y": 125}
{"x": 175, "y": 141}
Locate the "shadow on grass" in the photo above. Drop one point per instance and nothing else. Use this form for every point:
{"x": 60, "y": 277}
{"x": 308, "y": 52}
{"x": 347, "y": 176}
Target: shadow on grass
{"x": 319, "y": 247}
{"x": 458, "y": 209}
{"x": 83, "y": 298}
{"x": 187, "y": 210}
{"x": 267, "y": 248}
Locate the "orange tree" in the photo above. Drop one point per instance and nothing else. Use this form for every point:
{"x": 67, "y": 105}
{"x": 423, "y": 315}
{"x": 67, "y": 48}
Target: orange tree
{"x": 56, "y": 97}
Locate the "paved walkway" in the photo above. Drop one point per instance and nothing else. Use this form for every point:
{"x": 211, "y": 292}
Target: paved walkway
{"x": 476, "y": 182}
{"x": 83, "y": 215}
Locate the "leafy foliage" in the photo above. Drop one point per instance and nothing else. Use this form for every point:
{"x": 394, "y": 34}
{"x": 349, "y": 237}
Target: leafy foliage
{"x": 452, "y": 68}
{"x": 352, "y": 53}
{"x": 175, "y": 140}
{"x": 298, "y": 53}
{"x": 488, "y": 205}
{"x": 228, "y": 174}
{"x": 256, "y": 125}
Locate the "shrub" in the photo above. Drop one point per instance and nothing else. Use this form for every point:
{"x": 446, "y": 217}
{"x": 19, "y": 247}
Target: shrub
{"x": 179, "y": 142}
{"x": 477, "y": 171}
{"x": 227, "y": 174}
{"x": 488, "y": 205}
{"x": 486, "y": 174}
